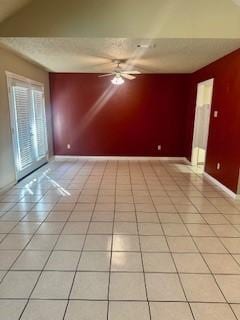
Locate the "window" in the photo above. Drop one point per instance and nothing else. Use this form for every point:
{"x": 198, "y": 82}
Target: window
{"x": 28, "y": 124}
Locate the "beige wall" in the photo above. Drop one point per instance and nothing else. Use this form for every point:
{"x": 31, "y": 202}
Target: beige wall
{"x": 12, "y": 63}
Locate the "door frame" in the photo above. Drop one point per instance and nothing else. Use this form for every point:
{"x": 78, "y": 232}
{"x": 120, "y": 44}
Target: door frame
{"x": 202, "y": 83}
{"x": 10, "y": 76}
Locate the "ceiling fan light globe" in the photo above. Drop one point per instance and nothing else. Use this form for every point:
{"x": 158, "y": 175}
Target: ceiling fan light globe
{"x": 117, "y": 80}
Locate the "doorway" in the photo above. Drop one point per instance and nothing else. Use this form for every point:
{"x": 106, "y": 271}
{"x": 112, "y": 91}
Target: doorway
{"x": 28, "y": 124}
{"x": 201, "y": 124}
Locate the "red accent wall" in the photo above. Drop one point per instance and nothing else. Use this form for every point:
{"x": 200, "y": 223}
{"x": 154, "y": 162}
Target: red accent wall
{"x": 98, "y": 118}
{"x": 224, "y": 134}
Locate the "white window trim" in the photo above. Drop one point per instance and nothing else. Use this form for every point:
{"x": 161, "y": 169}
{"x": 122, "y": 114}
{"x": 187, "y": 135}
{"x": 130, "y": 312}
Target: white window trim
{"x": 10, "y": 76}
{"x": 22, "y": 78}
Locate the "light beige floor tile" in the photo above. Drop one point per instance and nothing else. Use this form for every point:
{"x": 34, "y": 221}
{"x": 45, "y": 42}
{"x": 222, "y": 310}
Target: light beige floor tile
{"x": 98, "y": 243}
{"x": 78, "y": 217}
{"x": 237, "y": 258}
{"x": 42, "y": 242}
{"x": 53, "y": 285}
{"x": 232, "y": 244}
{"x": 125, "y": 243}
{"x": 127, "y": 286}
{"x": 70, "y": 242}
{"x": 181, "y": 244}
{"x": 15, "y": 241}
{"x": 222, "y": 263}
{"x": 7, "y": 257}
{"x": 215, "y": 219}
{"x": 58, "y": 217}
{"x": 36, "y": 216}
{"x": 63, "y": 260}
{"x": 44, "y": 309}
{"x": 212, "y": 311}
{"x": 170, "y": 218}
{"x": 230, "y": 286}
{"x": 26, "y": 227}
{"x": 166, "y": 208}
{"x": 90, "y": 286}
{"x": 2, "y": 274}
{"x": 201, "y": 288}
{"x": 190, "y": 263}
{"x": 236, "y": 309}
{"x": 158, "y": 262}
{"x": 144, "y": 217}
{"x": 84, "y": 310}
{"x": 170, "y": 311}
{"x": 18, "y": 284}
{"x": 94, "y": 261}
{"x": 119, "y": 310}
{"x": 31, "y": 260}
{"x": 6, "y": 227}
{"x": 125, "y": 216}
{"x": 192, "y": 218}
{"x": 225, "y": 231}
{"x": 175, "y": 230}
{"x": 75, "y": 228}
{"x": 126, "y": 261}
{"x": 103, "y": 217}
{"x": 209, "y": 245}
{"x": 125, "y": 228}
{"x": 50, "y": 228}
{"x": 164, "y": 287}
{"x": 11, "y": 309}
{"x": 153, "y": 244}
{"x": 200, "y": 230}
{"x": 233, "y": 218}
{"x": 150, "y": 229}
{"x": 100, "y": 228}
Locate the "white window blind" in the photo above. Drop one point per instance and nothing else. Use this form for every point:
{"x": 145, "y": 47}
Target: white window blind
{"x": 39, "y": 122}
{"x": 28, "y": 120}
{"x": 23, "y": 126}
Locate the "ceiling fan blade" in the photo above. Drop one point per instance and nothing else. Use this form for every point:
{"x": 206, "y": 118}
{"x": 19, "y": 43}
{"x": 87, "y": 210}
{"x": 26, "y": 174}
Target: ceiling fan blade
{"x": 105, "y": 75}
{"x": 127, "y": 76}
{"x": 131, "y": 72}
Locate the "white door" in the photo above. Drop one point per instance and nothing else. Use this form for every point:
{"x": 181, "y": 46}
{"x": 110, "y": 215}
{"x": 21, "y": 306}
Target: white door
{"x": 28, "y": 124}
{"x": 201, "y": 123}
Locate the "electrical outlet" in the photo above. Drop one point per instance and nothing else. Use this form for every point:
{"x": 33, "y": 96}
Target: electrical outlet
{"x": 159, "y": 147}
{"x": 218, "y": 166}
{"x": 68, "y": 146}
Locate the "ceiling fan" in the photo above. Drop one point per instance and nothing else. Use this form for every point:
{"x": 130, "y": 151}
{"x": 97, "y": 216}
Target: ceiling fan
{"x": 119, "y": 74}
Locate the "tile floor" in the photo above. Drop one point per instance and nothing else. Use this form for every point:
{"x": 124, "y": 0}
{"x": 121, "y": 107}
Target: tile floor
{"x": 118, "y": 240}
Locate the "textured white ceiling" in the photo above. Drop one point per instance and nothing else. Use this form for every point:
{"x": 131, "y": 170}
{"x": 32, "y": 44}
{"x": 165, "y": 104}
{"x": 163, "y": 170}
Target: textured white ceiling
{"x": 9, "y": 7}
{"x": 95, "y": 55}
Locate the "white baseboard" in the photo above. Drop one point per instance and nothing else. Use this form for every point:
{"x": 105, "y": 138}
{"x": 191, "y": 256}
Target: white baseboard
{"x": 7, "y": 187}
{"x": 187, "y": 161}
{"x": 221, "y": 186}
{"x": 62, "y": 158}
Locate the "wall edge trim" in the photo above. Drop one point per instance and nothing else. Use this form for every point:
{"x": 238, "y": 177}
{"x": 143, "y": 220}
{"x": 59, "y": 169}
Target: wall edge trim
{"x": 8, "y": 187}
{"x": 221, "y": 186}
{"x": 62, "y": 157}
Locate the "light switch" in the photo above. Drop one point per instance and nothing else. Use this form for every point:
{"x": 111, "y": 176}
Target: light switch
{"x": 215, "y": 114}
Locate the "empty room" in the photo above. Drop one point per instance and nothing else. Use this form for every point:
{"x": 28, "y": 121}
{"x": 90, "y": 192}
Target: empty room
{"x": 119, "y": 160}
